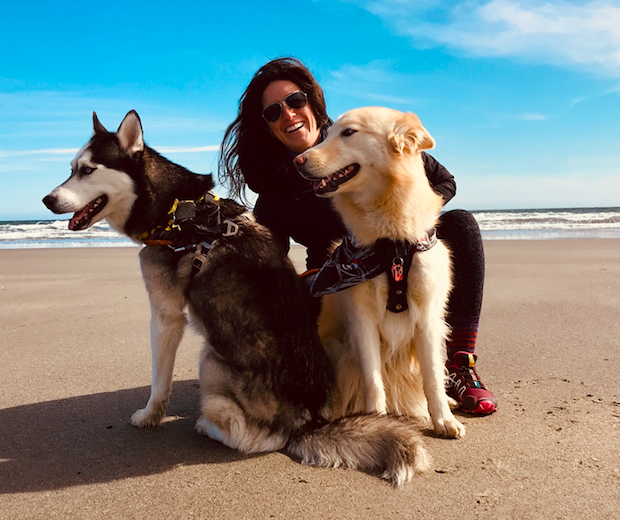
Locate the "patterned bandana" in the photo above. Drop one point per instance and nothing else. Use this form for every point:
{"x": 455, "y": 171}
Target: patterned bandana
{"x": 351, "y": 264}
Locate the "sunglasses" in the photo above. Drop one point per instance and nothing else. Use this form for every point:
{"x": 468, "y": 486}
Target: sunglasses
{"x": 295, "y": 101}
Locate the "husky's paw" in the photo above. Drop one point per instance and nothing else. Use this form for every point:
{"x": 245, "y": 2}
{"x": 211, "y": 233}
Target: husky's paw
{"x": 206, "y": 427}
{"x": 449, "y": 427}
{"x": 452, "y": 403}
{"x": 144, "y": 419}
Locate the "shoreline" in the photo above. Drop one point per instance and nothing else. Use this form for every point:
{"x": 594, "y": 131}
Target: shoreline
{"x": 75, "y": 364}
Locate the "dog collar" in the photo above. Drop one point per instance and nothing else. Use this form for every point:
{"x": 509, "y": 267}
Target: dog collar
{"x": 351, "y": 264}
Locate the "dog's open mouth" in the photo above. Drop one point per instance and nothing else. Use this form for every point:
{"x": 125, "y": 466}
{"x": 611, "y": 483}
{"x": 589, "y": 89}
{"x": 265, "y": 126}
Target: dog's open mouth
{"x": 331, "y": 183}
{"x": 83, "y": 218}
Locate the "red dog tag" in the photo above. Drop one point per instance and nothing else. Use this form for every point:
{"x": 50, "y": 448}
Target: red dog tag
{"x": 397, "y": 269}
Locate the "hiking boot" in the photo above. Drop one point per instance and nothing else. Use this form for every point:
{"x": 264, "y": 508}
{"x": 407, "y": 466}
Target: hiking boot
{"x": 464, "y": 385}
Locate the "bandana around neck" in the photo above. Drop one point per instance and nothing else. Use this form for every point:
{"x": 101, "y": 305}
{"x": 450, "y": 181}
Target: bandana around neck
{"x": 351, "y": 264}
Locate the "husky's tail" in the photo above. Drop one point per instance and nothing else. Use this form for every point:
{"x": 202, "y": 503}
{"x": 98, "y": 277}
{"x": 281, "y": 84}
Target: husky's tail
{"x": 389, "y": 444}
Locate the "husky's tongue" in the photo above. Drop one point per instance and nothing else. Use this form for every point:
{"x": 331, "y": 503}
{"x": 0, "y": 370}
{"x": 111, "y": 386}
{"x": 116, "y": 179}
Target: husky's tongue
{"x": 83, "y": 218}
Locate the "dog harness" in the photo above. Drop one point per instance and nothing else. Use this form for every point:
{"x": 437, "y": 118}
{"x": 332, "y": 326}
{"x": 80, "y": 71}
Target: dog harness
{"x": 194, "y": 225}
{"x": 351, "y": 264}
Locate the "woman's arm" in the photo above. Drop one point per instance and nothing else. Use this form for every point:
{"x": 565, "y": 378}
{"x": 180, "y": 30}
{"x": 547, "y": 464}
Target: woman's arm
{"x": 441, "y": 180}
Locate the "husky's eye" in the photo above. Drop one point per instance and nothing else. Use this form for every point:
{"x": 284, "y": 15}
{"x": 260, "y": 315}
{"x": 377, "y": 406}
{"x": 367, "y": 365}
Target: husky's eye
{"x": 347, "y": 132}
{"x": 88, "y": 170}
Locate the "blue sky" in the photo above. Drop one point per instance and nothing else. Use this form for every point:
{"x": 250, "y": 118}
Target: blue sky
{"x": 522, "y": 96}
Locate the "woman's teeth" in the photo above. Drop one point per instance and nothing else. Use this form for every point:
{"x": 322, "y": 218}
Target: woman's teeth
{"x": 294, "y": 127}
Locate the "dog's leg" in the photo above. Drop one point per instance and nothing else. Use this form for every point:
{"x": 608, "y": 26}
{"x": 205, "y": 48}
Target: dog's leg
{"x": 363, "y": 336}
{"x": 168, "y": 323}
{"x": 430, "y": 351}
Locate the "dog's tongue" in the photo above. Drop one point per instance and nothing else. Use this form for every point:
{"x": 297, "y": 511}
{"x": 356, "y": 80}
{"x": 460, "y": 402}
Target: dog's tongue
{"x": 78, "y": 215}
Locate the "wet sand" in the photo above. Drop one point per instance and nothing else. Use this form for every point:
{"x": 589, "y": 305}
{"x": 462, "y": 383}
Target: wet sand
{"x": 75, "y": 364}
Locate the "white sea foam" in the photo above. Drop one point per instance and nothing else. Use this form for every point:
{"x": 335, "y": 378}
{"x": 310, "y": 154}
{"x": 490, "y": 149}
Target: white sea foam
{"x": 550, "y": 223}
{"x": 56, "y": 233}
{"x": 494, "y": 225}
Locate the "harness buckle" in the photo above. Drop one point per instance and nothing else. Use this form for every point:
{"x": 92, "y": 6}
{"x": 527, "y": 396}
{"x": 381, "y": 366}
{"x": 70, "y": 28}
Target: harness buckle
{"x": 199, "y": 257}
{"x": 231, "y": 229}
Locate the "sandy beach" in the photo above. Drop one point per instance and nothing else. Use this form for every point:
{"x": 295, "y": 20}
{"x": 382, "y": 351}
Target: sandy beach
{"x": 75, "y": 364}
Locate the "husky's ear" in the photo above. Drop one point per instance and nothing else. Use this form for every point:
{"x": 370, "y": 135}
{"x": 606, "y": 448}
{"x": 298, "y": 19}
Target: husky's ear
{"x": 408, "y": 135}
{"x": 129, "y": 133}
{"x": 98, "y": 128}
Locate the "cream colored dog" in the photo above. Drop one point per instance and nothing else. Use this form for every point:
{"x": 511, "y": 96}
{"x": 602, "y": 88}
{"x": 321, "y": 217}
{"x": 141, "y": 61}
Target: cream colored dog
{"x": 371, "y": 167}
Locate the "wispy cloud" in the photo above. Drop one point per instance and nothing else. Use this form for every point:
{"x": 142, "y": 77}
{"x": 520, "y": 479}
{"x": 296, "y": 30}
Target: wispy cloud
{"x": 583, "y": 32}
{"x": 73, "y": 151}
{"x": 46, "y": 151}
{"x": 195, "y": 149}
{"x": 372, "y": 82}
{"x": 533, "y": 117}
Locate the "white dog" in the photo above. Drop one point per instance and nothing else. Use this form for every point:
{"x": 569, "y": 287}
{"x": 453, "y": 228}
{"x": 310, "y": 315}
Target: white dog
{"x": 386, "y": 335}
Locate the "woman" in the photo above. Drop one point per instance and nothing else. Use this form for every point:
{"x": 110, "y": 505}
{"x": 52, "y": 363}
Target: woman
{"x": 281, "y": 114}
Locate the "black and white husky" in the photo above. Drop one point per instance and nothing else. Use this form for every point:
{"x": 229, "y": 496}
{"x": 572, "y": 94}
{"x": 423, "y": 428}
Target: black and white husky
{"x": 266, "y": 381}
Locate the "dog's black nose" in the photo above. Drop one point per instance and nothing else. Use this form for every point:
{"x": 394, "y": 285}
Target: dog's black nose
{"x": 49, "y": 201}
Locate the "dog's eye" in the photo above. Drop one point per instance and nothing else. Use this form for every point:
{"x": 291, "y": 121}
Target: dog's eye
{"x": 88, "y": 170}
{"x": 347, "y": 132}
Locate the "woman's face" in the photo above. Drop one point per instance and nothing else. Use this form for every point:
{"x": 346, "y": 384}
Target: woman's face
{"x": 296, "y": 128}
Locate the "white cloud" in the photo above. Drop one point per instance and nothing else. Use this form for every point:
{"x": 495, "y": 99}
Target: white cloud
{"x": 585, "y": 32}
{"x": 46, "y": 151}
{"x": 179, "y": 149}
{"x": 533, "y": 117}
{"x": 371, "y": 82}
{"x": 73, "y": 151}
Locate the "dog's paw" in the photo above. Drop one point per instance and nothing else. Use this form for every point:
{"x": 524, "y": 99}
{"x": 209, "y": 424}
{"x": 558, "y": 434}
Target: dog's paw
{"x": 450, "y": 427}
{"x": 206, "y": 427}
{"x": 452, "y": 403}
{"x": 143, "y": 419}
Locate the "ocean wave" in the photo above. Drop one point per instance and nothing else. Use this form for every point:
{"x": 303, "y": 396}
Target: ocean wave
{"x": 528, "y": 224}
{"x": 56, "y": 233}
{"x": 568, "y": 222}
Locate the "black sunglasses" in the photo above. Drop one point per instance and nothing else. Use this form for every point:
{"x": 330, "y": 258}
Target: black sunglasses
{"x": 296, "y": 100}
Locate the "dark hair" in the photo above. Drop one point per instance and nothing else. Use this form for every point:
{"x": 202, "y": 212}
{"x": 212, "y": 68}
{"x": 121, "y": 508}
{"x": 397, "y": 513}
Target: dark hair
{"x": 250, "y": 154}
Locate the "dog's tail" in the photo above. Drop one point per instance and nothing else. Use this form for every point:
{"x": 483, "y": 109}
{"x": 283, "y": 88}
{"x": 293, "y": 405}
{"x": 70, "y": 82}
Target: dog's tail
{"x": 390, "y": 444}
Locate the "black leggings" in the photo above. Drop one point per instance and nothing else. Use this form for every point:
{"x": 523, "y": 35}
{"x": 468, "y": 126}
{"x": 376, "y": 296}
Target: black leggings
{"x": 459, "y": 229}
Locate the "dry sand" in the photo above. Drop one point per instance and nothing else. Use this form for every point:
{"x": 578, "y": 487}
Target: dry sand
{"x": 75, "y": 364}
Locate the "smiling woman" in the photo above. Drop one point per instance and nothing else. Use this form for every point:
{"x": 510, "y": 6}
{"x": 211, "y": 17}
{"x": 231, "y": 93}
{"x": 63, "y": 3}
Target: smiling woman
{"x": 273, "y": 125}
{"x": 295, "y": 126}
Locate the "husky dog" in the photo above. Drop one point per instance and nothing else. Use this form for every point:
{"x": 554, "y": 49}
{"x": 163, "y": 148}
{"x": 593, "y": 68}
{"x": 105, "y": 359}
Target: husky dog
{"x": 386, "y": 328}
{"x": 265, "y": 379}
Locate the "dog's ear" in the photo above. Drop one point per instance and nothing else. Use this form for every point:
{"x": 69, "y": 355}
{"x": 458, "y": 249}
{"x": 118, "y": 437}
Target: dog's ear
{"x": 129, "y": 133}
{"x": 98, "y": 128}
{"x": 408, "y": 135}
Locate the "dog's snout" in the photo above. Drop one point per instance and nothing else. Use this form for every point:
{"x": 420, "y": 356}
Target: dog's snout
{"x": 52, "y": 203}
{"x": 299, "y": 160}
{"x": 49, "y": 201}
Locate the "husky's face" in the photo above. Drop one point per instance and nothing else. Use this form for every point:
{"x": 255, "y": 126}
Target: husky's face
{"x": 361, "y": 151}
{"x": 99, "y": 187}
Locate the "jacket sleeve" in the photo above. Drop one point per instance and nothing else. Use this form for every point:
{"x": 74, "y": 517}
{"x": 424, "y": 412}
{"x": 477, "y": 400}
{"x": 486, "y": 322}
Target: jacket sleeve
{"x": 266, "y": 215}
{"x": 441, "y": 180}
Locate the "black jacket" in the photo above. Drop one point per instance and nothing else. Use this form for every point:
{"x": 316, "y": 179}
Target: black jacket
{"x": 288, "y": 207}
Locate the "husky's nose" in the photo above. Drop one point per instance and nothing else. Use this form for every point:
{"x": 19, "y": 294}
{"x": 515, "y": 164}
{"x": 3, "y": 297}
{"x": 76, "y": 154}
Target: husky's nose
{"x": 49, "y": 201}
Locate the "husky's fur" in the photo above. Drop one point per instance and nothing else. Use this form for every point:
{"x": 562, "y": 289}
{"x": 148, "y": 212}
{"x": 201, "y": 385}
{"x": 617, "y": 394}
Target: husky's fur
{"x": 371, "y": 167}
{"x": 266, "y": 381}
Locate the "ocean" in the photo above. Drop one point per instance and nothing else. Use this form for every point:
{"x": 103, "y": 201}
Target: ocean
{"x": 522, "y": 224}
